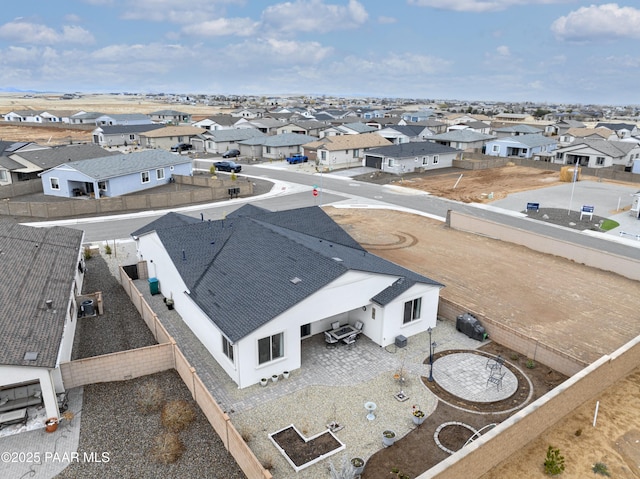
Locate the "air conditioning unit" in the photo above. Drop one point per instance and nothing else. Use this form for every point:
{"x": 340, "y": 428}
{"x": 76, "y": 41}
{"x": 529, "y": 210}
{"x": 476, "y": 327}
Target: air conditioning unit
{"x": 401, "y": 341}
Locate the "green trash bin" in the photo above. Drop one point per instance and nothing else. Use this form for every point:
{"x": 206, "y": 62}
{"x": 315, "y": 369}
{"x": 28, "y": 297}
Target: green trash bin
{"x": 154, "y": 286}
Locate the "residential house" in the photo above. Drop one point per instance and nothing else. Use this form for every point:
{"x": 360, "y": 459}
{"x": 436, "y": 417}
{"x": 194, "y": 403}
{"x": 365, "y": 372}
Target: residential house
{"x": 114, "y": 175}
{"x": 462, "y": 139}
{"x": 85, "y": 118}
{"x": 516, "y": 130}
{"x": 43, "y": 272}
{"x": 559, "y": 128}
{"x": 576, "y": 134}
{"x": 303, "y": 127}
{"x": 434, "y": 126}
{"x": 343, "y": 150}
{"x": 29, "y": 163}
{"x": 474, "y": 125}
{"x": 514, "y": 117}
{"x": 121, "y": 135}
{"x": 274, "y": 147}
{"x": 123, "y": 119}
{"x": 598, "y": 153}
{"x": 249, "y": 113}
{"x": 417, "y": 116}
{"x": 253, "y": 316}
{"x": 170, "y": 116}
{"x": 412, "y": 156}
{"x": 622, "y": 130}
{"x": 405, "y": 133}
{"x": 219, "y": 141}
{"x": 268, "y": 126}
{"x": 10, "y": 168}
{"x": 533, "y": 146}
{"x": 457, "y": 118}
{"x": 354, "y": 128}
{"x": 38, "y": 117}
{"x": 216, "y": 122}
{"x": 169, "y": 136}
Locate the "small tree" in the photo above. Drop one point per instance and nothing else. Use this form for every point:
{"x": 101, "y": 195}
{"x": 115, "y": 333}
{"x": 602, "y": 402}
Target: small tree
{"x": 554, "y": 463}
{"x": 212, "y": 170}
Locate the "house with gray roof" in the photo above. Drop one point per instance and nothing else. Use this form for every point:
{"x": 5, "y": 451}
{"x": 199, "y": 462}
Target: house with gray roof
{"x": 253, "y": 286}
{"x": 412, "y": 156}
{"x": 397, "y": 134}
{"x": 516, "y": 130}
{"x": 534, "y": 146}
{"x": 123, "y": 119}
{"x": 29, "y": 163}
{"x": 43, "y": 272}
{"x": 121, "y": 135}
{"x": 598, "y": 153}
{"x": 219, "y": 141}
{"x": 114, "y": 175}
{"x": 466, "y": 139}
{"x": 274, "y": 147}
{"x": 170, "y": 116}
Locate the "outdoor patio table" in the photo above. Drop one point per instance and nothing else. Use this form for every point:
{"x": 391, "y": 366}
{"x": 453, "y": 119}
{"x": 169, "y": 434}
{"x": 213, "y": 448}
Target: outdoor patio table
{"x": 343, "y": 332}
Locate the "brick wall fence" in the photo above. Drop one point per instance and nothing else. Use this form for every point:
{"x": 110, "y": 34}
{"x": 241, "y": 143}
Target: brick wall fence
{"x": 211, "y": 189}
{"x": 160, "y": 357}
{"x": 627, "y": 267}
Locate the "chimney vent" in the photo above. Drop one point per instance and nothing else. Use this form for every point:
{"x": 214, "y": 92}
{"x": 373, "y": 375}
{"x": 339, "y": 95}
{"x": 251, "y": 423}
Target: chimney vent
{"x": 49, "y": 303}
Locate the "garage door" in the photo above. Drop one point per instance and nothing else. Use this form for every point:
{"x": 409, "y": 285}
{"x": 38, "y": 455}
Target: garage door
{"x": 373, "y": 161}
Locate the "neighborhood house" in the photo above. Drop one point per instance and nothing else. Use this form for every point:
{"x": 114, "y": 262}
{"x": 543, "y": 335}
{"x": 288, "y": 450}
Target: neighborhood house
{"x": 253, "y": 286}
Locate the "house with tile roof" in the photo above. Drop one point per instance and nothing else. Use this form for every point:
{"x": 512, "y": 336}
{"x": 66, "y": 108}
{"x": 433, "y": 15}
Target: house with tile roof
{"x": 253, "y": 286}
{"x": 412, "y": 156}
{"x": 534, "y": 146}
{"x": 43, "y": 272}
{"x": 343, "y": 150}
{"x": 115, "y": 175}
{"x": 598, "y": 153}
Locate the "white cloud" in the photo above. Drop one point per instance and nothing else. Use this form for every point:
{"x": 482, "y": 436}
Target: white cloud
{"x": 223, "y": 26}
{"x": 597, "y": 22}
{"x": 387, "y": 20}
{"x": 503, "y": 50}
{"x": 313, "y": 16}
{"x": 72, "y": 17}
{"x": 276, "y": 52}
{"x": 37, "y": 34}
{"x": 479, "y": 5}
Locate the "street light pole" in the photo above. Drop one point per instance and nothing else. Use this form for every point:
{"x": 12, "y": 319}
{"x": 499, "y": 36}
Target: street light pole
{"x": 430, "y": 356}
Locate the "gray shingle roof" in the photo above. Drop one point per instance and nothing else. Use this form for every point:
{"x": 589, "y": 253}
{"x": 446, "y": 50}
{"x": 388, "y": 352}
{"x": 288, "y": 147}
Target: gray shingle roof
{"x": 531, "y": 140}
{"x": 239, "y": 270}
{"x": 234, "y": 134}
{"x": 38, "y": 264}
{"x": 285, "y": 139}
{"x": 118, "y": 129}
{"x": 464, "y": 136}
{"x": 50, "y": 157}
{"x": 411, "y": 149}
{"x": 106, "y": 167}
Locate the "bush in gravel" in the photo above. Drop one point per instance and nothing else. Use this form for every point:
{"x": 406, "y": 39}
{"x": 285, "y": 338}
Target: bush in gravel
{"x": 177, "y": 415}
{"x": 168, "y": 448}
{"x": 149, "y": 397}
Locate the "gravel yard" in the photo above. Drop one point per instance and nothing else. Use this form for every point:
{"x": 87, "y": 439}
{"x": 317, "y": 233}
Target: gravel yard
{"x": 111, "y": 423}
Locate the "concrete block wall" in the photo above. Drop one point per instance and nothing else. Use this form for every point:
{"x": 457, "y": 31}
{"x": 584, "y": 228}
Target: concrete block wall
{"x": 118, "y": 366}
{"x": 603, "y": 260}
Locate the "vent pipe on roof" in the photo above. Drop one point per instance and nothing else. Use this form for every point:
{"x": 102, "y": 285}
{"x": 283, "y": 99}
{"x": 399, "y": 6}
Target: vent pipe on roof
{"x": 49, "y": 303}
{"x": 184, "y": 256}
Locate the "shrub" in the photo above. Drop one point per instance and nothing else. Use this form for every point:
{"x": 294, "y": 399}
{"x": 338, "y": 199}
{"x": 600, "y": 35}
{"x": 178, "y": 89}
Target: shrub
{"x": 578, "y": 432}
{"x": 554, "y": 462}
{"x": 177, "y": 415}
{"x": 168, "y": 448}
{"x": 212, "y": 170}
{"x": 531, "y": 363}
{"x": 514, "y": 356}
{"x": 107, "y": 249}
{"x": 149, "y": 397}
{"x": 234, "y": 177}
{"x": 87, "y": 253}
{"x": 601, "y": 468}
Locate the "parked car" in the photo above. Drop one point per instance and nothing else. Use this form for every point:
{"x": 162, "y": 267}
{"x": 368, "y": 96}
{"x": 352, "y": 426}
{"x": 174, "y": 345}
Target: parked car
{"x": 229, "y": 166}
{"x": 297, "y": 158}
{"x": 231, "y": 153}
{"x": 181, "y": 147}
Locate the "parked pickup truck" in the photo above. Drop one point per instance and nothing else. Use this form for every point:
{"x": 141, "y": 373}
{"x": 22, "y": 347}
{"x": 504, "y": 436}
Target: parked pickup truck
{"x": 297, "y": 158}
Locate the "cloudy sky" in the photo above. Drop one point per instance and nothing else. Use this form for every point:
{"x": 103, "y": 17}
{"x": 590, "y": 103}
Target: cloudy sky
{"x": 569, "y": 51}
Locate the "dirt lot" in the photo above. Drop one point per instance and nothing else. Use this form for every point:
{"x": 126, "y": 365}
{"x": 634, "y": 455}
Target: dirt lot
{"x": 555, "y": 300}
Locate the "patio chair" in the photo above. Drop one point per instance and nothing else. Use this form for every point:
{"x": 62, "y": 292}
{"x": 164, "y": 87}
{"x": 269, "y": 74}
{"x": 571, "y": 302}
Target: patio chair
{"x": 496, "y": 378}
{"x": 350, "y": 340}
{"x": 335, "y": 325}
{"x": 330, "y": 340}
{"x": 359, "y": 325}
{"x": 494, "y": 364}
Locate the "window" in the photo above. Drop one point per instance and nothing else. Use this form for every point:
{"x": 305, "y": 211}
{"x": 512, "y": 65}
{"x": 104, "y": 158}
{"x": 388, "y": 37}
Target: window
{"x": 600, "y": 160}
{"x": 270, "y": 348}
{"x": 160, "y": 174}
{"x": 132, "y": 137}
{"x": 3, "y": 175}
{"x": 495, "y": 148}
{"x": 373, "y": 313}
{"x": 356, "y": 153}
{"x": 267, "y": 149}
{"x": 425, "y": 160}
{"x": 227, "y": 348}
{"x": 436, "y": 159}
{"x": 55, "y": 184}
{"x": 144, "y": 176}
{"x": 305, "y": 330}
{"x": 102, "y": 185}
{"x": 390, "y": 162}
{"x": 323, "y": 155}
{"x": 412, "y": 310}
